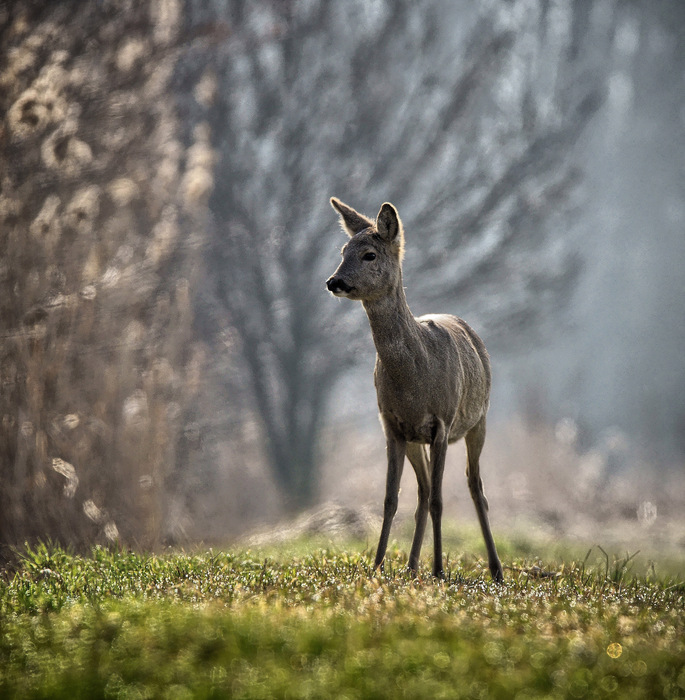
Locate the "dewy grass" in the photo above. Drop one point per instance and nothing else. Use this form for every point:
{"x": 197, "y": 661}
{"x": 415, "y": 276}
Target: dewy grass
{"x": 262, "y": 623}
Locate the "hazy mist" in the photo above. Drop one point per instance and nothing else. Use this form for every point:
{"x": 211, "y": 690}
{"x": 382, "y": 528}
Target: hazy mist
{"x": 172, "y": 367}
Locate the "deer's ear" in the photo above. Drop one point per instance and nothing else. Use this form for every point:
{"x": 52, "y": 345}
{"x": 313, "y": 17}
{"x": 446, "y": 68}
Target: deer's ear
{"x": 390, "y": 227}
{"x": 388, "y": 223}
{"x": 352, "y": 221}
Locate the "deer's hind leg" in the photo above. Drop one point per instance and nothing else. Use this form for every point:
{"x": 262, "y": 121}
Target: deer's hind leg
{"x": 416, "y": 454}
{"x": 475, "y": 439}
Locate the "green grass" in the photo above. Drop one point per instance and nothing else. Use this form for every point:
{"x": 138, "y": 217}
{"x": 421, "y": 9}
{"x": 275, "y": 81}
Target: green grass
{"x": 302, "y": 621}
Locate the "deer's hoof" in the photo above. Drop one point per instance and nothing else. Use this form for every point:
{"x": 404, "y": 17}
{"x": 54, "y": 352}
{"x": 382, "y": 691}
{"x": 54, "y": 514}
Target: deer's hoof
{"x": 497, "y": 573}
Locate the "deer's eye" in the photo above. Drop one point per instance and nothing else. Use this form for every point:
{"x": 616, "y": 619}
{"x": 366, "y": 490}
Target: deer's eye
{"x": 369, "y": 257}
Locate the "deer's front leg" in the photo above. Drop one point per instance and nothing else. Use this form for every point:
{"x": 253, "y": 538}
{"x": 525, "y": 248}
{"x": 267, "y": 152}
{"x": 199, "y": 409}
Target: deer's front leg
{"x": 396, "y": 447}
{"x": 437, "y": 456}
{"x": 417, "y": 457}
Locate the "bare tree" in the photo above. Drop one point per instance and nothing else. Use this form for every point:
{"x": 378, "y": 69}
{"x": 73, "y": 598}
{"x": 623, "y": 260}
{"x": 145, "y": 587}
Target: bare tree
{"x": 468, "y": 115}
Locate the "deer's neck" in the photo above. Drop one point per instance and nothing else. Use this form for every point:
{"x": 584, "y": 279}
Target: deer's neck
{"x": 395, "y": 331}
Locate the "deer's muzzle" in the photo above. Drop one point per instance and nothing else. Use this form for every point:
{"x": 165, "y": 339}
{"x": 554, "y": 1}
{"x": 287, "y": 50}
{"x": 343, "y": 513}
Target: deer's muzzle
{"x": 338, "y": 286}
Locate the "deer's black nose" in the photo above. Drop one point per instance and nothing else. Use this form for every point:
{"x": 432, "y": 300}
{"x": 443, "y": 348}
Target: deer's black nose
{"x": 336, "y": 285}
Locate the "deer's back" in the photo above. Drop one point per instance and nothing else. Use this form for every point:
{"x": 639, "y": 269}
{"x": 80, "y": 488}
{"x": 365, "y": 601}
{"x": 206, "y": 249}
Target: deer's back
{"x": 448, "y": 380}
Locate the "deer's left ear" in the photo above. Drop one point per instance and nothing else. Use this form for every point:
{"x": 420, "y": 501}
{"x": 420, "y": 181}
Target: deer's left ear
{"x": 388, "y": 224}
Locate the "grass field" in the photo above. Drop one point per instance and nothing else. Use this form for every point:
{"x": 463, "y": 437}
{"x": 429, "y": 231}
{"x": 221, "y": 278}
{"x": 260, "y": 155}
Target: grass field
{"x": 306, "y": 621}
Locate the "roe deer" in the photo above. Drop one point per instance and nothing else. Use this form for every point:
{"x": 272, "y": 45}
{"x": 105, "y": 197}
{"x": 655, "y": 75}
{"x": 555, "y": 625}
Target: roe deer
{"x": 432, "y": 379}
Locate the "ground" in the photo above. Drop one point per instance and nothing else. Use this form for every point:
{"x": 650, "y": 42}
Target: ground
{"x": 308, "y": 618}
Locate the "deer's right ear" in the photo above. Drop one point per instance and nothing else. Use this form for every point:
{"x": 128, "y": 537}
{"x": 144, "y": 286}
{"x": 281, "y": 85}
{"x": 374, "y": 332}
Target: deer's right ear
{"x": 352, "y": 221}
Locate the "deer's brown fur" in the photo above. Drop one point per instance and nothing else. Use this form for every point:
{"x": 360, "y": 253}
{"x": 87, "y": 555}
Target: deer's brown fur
{"x": 432, "y": 379}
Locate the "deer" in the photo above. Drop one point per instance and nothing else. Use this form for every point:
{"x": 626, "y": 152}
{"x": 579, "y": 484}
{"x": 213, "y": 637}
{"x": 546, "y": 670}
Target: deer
{"x": 432, "y": 378}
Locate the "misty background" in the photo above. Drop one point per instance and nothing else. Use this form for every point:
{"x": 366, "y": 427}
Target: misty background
{"x": 172, "y": 369}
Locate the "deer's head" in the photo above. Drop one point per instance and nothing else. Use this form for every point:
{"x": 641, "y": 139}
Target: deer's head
{"x": 372, "y": 258}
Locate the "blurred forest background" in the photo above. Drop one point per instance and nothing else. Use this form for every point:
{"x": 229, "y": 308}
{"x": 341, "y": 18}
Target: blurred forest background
{"x": 172, "y": 369}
